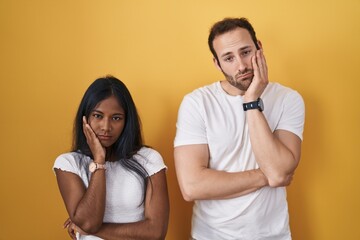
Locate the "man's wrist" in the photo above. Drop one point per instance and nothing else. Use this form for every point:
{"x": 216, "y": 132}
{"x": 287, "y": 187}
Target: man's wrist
{"x": 249, "y": 99}
{"x": 257, "y": 104}
{"x": 263, "y": 178}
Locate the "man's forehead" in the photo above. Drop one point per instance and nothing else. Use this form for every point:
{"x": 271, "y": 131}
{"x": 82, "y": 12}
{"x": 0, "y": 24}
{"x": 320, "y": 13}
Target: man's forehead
{"x": 236, "y": 39}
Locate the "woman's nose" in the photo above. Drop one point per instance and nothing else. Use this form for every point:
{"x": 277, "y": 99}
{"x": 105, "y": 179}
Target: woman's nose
{"x": 106, "y": 126}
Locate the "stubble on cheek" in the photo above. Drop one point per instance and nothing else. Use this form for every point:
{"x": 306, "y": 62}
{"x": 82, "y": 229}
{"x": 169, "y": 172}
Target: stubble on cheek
{"x": 241, "y": 84}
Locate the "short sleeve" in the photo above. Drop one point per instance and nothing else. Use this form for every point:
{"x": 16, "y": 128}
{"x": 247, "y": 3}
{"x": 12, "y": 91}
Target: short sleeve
{"x": 67, "y": 162}
{"x": 190, "y": 126}
{"x": 293, "y": 116}
{"x": 151, "y": 160}
{"x": 74, "y": 163}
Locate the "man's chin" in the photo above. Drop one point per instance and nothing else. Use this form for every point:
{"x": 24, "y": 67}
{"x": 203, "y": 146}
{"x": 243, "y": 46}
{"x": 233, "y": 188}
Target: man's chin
{"x": 243, "y": 85}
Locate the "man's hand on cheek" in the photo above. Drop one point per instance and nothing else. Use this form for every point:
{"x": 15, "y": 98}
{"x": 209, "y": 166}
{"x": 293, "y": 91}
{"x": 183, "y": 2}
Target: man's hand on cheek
{"x": 260, "y": 79}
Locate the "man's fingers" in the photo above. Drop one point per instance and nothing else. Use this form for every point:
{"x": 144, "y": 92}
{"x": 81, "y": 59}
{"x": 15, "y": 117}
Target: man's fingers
{"x": 261, "y": 65}
{"x": 255, "y": 65}
{"x": 264, "y": 65}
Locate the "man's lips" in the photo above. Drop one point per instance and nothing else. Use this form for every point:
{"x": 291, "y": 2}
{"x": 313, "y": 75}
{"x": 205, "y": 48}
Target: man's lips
{"x": 245, "y": 76}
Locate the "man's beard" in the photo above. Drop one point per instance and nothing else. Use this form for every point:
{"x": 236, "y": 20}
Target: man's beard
{"x": 238, "y": 82}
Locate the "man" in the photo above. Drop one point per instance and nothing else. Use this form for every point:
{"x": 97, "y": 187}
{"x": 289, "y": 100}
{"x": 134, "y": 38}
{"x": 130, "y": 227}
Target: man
{"x": 238, "y": 143}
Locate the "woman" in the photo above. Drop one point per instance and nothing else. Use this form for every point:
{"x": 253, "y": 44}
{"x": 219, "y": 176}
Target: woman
{"x": 112, "y": 185}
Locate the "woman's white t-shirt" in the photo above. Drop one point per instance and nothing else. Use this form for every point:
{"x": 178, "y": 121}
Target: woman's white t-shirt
{"x": 124, "y": 188}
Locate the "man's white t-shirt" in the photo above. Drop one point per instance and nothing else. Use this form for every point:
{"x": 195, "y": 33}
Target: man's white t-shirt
{"x": 210, "y": 116}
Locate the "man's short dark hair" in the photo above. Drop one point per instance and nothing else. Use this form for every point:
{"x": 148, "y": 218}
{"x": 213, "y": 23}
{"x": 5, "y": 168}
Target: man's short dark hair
{"x": 227, "y": 25}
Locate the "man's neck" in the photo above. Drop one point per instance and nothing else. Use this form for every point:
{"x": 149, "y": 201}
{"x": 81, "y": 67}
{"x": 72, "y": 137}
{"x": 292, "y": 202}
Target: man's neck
{"x": 230, "y": 89}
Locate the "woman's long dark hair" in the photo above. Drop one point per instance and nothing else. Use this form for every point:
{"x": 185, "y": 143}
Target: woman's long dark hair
{"x": 130, "y": 140}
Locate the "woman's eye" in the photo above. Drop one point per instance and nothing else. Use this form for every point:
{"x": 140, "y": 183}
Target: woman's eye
{"x": 117, "y": 118}
{"x": 97, "y": 115}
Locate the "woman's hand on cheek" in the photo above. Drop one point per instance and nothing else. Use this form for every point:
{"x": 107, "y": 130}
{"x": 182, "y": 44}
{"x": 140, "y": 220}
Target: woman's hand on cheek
{"x": 94, "y": 143}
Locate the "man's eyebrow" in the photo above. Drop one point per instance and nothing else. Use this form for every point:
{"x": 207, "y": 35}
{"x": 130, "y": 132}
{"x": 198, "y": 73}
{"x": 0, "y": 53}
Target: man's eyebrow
{"x": 226, "y": 54}
{"x": 244, "y": 48}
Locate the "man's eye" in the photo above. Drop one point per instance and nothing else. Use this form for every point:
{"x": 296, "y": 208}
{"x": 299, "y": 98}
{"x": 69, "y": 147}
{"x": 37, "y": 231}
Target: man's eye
{"x": 246, "y": 53}
{"x": 229, "y": 59}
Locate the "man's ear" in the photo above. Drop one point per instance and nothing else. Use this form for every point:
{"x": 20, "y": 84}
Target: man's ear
{"x": 216, "y": 63}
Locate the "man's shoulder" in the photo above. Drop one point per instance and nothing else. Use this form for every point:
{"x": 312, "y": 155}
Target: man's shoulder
{"x": 277, "y": 89}
{"x": 203, "y": 91}
{"x": 275, "y": 86}
{"x": 280, "y": 96}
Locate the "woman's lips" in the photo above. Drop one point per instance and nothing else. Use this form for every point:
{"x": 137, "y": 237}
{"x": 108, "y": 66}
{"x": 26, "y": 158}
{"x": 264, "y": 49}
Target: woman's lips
{"x": 102, "y": 137}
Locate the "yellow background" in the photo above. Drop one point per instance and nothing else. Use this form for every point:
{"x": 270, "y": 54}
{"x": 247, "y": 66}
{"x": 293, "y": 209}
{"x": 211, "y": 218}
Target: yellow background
{"x": 50, "y": 51}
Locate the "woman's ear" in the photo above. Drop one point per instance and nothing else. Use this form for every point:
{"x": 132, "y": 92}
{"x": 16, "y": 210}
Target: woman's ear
{"x": 259, "y": 44}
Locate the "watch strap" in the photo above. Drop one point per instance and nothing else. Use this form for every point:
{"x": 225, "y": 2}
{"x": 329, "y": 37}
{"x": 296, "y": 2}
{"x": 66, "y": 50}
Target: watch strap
{"x": 254, "y": 105}
{"x": 95, "y": 166}
{"x": 100, "y": 166}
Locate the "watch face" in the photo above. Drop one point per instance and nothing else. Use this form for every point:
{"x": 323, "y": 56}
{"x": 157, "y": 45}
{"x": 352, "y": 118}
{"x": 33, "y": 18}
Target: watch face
{"x": 92, "y": 167}
{"x": 261, "y": 105}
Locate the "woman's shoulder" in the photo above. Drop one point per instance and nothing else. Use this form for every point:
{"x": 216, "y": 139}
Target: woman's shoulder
{"x": 148, "y": 152}
{"x": 70, "y": 161}
{"x": 150, "y": 159}
{"x": 72, "y": 156}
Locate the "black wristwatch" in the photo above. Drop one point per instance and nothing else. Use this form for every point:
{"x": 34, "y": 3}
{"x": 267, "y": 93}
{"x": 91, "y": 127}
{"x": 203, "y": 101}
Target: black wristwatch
{"x": 258, "y": 104}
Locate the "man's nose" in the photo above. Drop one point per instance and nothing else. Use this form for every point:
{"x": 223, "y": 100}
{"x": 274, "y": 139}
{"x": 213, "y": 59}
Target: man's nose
{"x": 241, "y": 65}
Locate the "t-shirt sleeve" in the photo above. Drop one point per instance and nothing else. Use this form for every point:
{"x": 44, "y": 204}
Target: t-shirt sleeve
{"x": 67, "y": 162}
{"x": 152, "y": 161}
{"x": 190, "y": 125}
{"x": 293, "y": 114}
{"x": 70, "y": 162}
